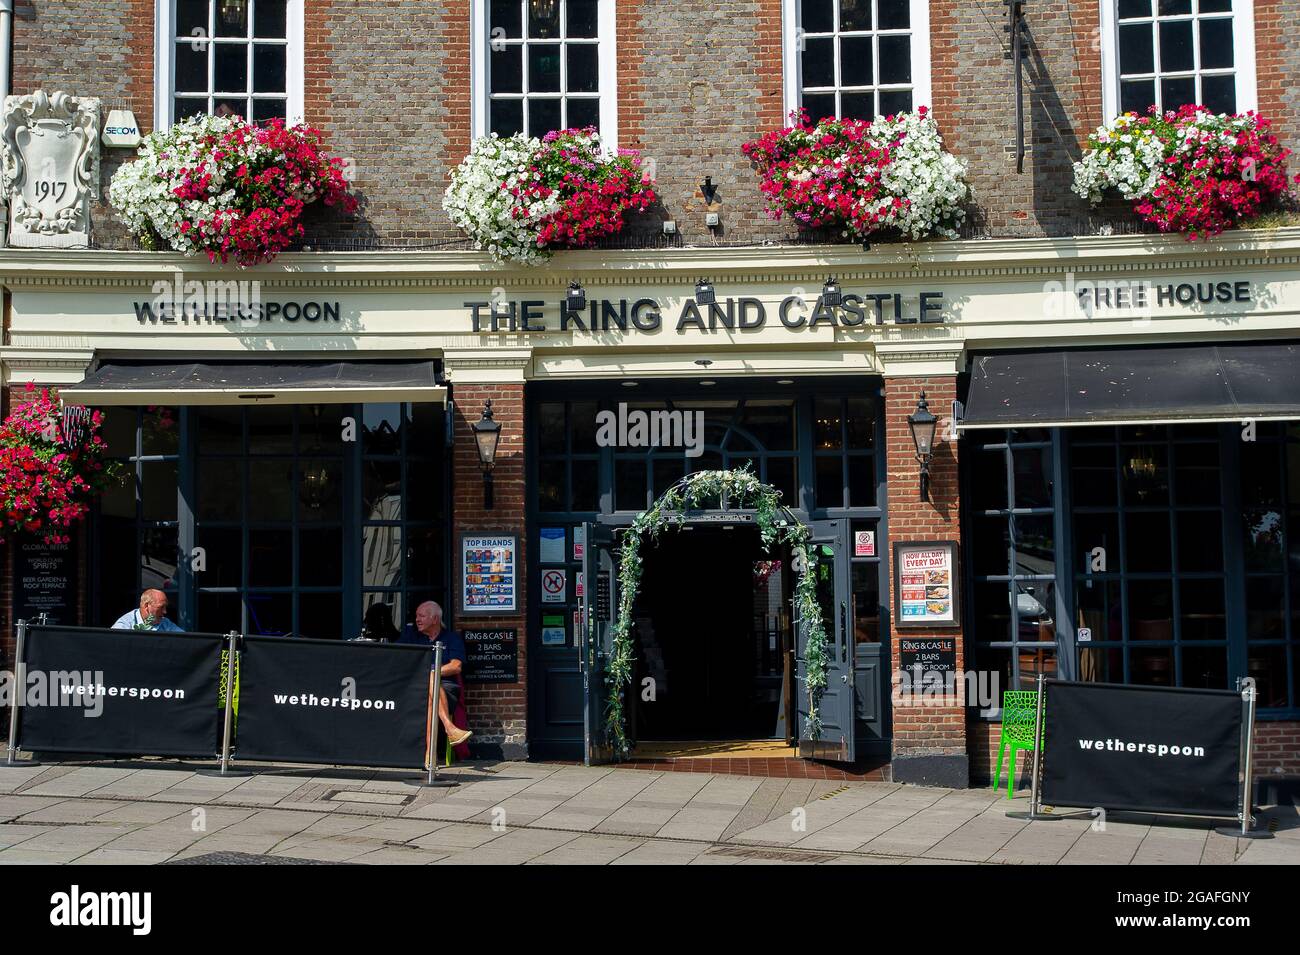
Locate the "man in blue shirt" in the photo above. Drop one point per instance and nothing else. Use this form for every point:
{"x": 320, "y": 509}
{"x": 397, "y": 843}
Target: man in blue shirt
{"x": 152, "y": 615}
{"x": 428, "y": 629}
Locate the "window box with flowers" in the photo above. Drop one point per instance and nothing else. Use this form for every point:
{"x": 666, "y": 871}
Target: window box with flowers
{"x": 224, "y": 187}
{"x": 49, "y": 473}
{"x": 886, "y": 177}
{"x": 1192, "y": 171}
{"x": 520, "y": 198}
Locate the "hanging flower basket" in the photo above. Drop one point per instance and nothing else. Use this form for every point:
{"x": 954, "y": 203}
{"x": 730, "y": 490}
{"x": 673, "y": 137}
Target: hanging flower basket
{"x": 776, "y": 525}
{"x": 48, "y": 474}
{"x": 860, "y": 178}
{"x": 1192, "y": 172}
{"x": 224, "y": 187}
{"x": 521, "y": 198}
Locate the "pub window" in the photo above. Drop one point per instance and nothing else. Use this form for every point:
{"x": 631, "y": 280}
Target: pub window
{"x": 543, "y": 65}
{"x": 1011, "y": 545}
{"x": 230, "y": 57}
{"x": 1150, "y": 581}
{"x": 1169, "y": 53}
{"x": 856, "y": 59}
{"x": 844, "y": 459}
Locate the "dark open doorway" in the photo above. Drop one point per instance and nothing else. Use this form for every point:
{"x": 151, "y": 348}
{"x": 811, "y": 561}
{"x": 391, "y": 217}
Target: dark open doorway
{"x": 713, "y": 633}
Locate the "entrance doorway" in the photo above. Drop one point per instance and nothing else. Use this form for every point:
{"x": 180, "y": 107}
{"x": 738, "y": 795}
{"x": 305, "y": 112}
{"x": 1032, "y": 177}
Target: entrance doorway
{"x": 714, "y": 640}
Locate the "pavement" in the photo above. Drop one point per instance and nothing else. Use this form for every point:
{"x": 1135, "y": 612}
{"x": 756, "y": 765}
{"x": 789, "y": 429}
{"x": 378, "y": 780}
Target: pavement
{"x": 511, "y": 813}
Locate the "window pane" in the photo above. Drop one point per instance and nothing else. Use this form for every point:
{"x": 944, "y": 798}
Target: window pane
{"x": 507, "y": 117}
{"x": 1268, "y": 667}
{"x": 818, "y": 62}
{"x": 582, "y": 18}
{"x": 855, "y": 61}
{"x": 543, "y": 19}
{"x": 191, "y": 67}
{"x": 856, "y": 14}
{"x": 270, "y": 484}
{"x": 1219, "y": 93}
{"x": 630, "y": 485}
{"x": 667, "y": 472}
{"x": 1176, "y": 46}
{"x": 858, "y": 105}
{"x": 582, "y": 423}
{"x": 993, "y": 612}
{"x": 862, "y": 481}
{"x": 989, "y": 479}
{"x": 584, "y": 68}
{"x": 1200, "y": 536}
{"x": 584, "y": 113}
{"x": 543, "y": 116}
{"x": 1151, "y": 666}
{"x": 1035, "y": 611}
{"x": 819, "y": 106}
{"x": 160, "y": 431}
{"x": 586, "y": 494}
{"x": 827, "y": 426}
{"x": 818, "y": 16}
{"x": 159, "y": 490}
{"x": 231, "y": 71}
{"x": 896, "y": 59}
{"x": 1201, "y": 610}
{"x": 1134, "y": 8}
{"x": 231, "y": 19}
{"x": 507, "y": 16}
{"x": 270, "y": 615}
{"x": 1263, "y": 529}
{"x": 270, "y": 430}
{"x": 269, "y": 68}
{"x": 320, "y": 617}
{"x": 1137, "y": 96}
{"x": 183, "y": 108}
{"x": 228, "y": 106}
{"x": 219, "y": 613}
{"x": 320, "y": 558}
{"x": 1151, "y": 610}
{"x": 1173, "y": 8}
{"x": 381, "y": 556}
{"x": 266, "y": 109}
{"x": 1035, "y": 539}
{"x": 269, "y": 19}
{"x": 1196, "y": 474}
{"x": 191, "y": 15}
{"x": 866, "y": 603}
{"x": 830, "y": 481}
{"x": 1177, "y": 93}
{"x": 221, "y": 430}
{"x": 895, "y": 101}
{"x": 861, "y": 422}
{"x": 319, "y": 490}
{"x": 1147, "y": 542}
{"x": 1100, "y": 609}
{"x": 507, "y": 70}
{"x": 1033, "y": 476}
{"x": 224, "y": 550}
{"x": 992, "y": 546}
{"x": 381, "y": 490}
{"x": 894, "y": 14}
{"x": 1216, "y": 44}
{"x": 1093, "y": 531}
{"x": 157, "y": 558}
{"x": 1264, "y": 603}
{"x": 1136, "y": 52}
{"x": 550, "y": 490}
{"x": 1215, "y": 6}
{"x": 781, "y": 475}
{"x": 1205, "y": 668}
{"x": 220, "y": 490}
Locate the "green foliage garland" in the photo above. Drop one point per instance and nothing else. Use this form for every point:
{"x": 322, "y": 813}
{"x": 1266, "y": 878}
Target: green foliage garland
{"x": 776, "y": 524}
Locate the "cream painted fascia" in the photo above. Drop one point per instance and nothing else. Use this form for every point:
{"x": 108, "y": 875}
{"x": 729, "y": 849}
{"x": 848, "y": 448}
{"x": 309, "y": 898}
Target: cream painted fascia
{"x": 78, "y": 303}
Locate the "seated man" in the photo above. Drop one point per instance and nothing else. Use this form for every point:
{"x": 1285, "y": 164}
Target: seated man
{"x": 428, "y": 629}
{"x": 152, "y": 615}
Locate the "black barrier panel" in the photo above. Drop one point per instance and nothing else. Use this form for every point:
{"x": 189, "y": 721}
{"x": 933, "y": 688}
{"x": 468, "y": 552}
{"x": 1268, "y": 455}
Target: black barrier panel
{"x": 327, "y": 701}
{"x": 1142, "y": 749}
{"x": 121, "y": 692}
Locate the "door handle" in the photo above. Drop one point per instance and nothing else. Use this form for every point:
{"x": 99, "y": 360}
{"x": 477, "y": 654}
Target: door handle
{"x": 844, "y": 633}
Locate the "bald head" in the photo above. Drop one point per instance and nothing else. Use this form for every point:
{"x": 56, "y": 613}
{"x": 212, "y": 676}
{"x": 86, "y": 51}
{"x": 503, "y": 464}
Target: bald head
{"x": 153, "y": 606}
{"x": 428, "y": 619}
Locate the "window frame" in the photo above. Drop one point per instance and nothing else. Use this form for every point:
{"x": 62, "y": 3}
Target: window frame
{"x": 792, "y": 86}
{"x": 1243, "y": 34}
{"x": 165, "y": 63}
{"x": 480, "y": 28}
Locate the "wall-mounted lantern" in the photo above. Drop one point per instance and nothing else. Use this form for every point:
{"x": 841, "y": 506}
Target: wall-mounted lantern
{"x": 922, "y": 424}
{"x": 487, "y": 434}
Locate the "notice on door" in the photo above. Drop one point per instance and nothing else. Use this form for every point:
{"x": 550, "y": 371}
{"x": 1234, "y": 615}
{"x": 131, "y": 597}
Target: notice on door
{"x": 925, "y": 582}
{"x": 554, "y": 585}
{"x": 489, "y": 574}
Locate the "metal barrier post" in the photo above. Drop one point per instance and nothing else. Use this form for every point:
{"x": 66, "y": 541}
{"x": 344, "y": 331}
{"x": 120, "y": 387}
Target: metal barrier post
{"x": 20, "y": 691}
{"x": 1248, "y": 697}
{"x": 431, "y": 720}
{"x": 1033, "y": 815}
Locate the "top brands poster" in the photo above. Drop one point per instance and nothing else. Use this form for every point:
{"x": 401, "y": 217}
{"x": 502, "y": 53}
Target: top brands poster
{"x": 489, "y": 573}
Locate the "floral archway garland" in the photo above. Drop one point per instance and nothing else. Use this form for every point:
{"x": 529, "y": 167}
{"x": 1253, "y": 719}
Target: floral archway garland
{"x": 776, "y": 524}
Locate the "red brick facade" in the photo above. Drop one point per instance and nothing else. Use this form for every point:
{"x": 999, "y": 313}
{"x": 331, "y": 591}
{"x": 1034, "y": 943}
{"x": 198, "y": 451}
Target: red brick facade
{"x": 498, "y": 712}
{"x": 929, "y": 734}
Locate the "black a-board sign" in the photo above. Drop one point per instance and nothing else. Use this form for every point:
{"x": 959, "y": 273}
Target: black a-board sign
{"x": 45, "y": 580}
{"x": 491, "y": 656}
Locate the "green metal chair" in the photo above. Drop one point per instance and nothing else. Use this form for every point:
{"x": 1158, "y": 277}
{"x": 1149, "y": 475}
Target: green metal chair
{"x": 1019, "y": 715}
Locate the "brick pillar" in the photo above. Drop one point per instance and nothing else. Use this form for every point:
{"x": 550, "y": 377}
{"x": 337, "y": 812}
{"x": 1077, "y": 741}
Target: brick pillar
{"x": 497, "y": 712}
{"x": 929, "y": 731}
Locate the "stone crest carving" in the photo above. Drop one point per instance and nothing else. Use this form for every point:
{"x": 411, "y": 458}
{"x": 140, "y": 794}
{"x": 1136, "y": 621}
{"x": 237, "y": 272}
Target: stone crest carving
{"x": 49, "y": 163}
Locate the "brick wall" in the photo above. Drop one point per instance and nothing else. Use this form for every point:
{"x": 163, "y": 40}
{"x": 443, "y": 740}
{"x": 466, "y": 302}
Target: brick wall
{"x": 932, "y": 731}
{"x": 1277, "y": 62}
{"x": 497, "y": 712}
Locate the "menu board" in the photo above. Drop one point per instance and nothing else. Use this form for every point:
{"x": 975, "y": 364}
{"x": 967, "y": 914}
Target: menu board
{"x": 44, "y": 581}
{"x": 925, "y": 584}
{"x": 489, "y": 573}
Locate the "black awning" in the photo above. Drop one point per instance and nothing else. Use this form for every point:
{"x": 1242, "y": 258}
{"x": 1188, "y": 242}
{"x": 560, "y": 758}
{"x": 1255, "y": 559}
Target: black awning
{"x": 1165, "y": 384}
{"x": 256, "y": 382}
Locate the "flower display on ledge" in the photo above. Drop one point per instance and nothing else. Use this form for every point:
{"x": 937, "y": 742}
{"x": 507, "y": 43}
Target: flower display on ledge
{"x": 225, "y": 187}
{"x": 1190, "y": 171}
{"x": 519, "y": 198}
{"x": 862, "y": 178}
{"x": 49, "y": 471}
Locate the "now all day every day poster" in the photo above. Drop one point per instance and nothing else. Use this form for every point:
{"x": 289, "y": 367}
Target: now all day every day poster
{"x": 925, "y": 582}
